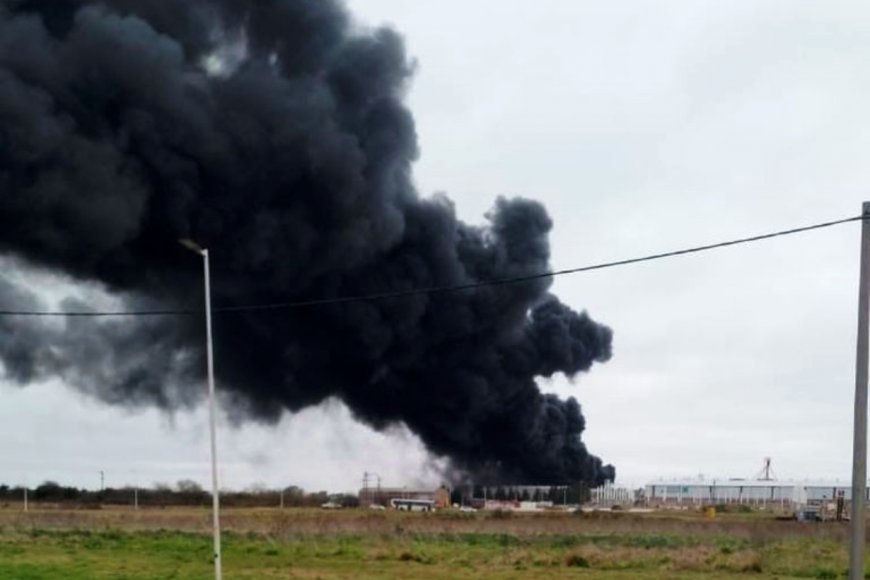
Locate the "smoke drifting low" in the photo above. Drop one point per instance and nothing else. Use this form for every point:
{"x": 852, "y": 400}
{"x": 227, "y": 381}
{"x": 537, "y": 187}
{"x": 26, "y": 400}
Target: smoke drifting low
{"x": 275, "y": 134}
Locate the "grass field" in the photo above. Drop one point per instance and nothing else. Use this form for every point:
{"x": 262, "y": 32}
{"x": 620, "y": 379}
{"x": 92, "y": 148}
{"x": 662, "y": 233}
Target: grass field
{"x": 175, "y": 543}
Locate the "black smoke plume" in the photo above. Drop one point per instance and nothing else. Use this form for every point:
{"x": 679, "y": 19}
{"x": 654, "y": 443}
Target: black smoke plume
{"x": 274, "y": 133}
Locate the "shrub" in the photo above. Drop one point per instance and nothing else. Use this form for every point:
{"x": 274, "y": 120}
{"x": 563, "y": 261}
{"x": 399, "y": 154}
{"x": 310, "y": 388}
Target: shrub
{"x": 576, "y": 561}
{"x": 501, "y": 515}
{"x": 411, "y": 557}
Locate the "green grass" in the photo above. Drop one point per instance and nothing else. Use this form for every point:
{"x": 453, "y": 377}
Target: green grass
{"x": 81, "y": 554}
{"x": 54, "y": 543}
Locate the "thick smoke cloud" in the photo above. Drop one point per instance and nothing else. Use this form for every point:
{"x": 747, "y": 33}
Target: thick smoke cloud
{"x": 275, "y": 134}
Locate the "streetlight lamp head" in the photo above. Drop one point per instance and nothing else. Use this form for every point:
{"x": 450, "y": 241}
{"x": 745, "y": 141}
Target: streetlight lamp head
{"x": 191, "y": 245}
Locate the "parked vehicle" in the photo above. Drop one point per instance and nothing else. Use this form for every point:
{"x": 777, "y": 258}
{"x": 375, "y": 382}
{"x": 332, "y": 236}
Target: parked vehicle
{"x": 413, "y": 505}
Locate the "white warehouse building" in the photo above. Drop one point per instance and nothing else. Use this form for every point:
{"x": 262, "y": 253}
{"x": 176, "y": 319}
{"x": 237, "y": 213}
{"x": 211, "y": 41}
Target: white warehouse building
{"x": 739, "y": 491}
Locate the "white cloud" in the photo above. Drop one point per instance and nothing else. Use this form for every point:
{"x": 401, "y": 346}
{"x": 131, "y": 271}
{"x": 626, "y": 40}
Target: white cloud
{"x": 53, "y": 433}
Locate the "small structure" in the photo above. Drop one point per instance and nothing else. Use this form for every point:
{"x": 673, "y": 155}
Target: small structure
{"x": 609, "y": 495}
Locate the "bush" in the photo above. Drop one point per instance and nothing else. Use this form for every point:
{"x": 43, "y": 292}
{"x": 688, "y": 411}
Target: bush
{"x": 411, "y": 557}
{"x": 576, "y": 561}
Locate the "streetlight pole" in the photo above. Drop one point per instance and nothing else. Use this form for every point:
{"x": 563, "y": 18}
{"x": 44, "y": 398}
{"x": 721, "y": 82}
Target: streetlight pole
{"x": 193, "y": 246}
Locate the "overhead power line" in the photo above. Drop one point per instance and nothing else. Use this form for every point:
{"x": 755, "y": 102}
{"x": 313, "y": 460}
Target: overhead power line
{"x": 441, "y": 289}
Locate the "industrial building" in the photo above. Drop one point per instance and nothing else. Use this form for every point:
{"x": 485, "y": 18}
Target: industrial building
{"x": 747, "y": 492}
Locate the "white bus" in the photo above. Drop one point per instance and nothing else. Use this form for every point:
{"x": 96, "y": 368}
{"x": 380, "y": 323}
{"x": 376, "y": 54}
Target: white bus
{"x": 413, "y": 505}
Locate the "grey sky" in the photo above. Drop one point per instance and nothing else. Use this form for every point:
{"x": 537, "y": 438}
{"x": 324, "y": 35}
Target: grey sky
{"x": 643, "y": 126}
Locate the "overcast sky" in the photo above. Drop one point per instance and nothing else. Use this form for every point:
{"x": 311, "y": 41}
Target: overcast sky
{"x": 643, "y": 127}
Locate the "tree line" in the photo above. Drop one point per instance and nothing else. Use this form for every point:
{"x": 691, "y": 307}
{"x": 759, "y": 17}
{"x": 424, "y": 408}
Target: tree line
{"x": 184, "y": 493}
{"x": 187, "y": 492}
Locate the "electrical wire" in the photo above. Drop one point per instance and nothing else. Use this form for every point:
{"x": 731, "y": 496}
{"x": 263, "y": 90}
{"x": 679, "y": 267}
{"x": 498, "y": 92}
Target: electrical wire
{"x": 441, "y": 289}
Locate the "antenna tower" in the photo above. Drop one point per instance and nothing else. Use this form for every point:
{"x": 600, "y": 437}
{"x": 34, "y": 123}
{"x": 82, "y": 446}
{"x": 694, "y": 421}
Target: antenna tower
{"x": 766, "y": 473}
